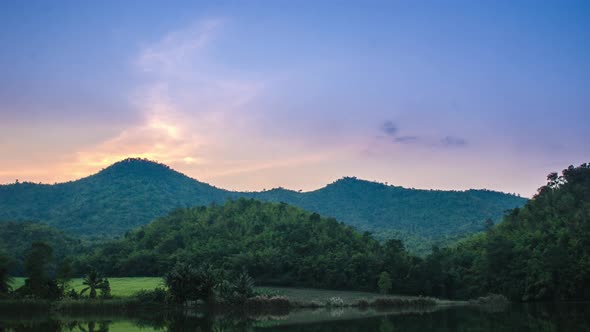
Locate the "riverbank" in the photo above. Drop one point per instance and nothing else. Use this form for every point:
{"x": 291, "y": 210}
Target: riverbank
{"x": 137, "y": 293}
{"x": 127, "y": 287}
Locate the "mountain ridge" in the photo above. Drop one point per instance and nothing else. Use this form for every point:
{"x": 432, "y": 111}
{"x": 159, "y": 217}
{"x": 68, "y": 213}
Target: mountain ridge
{"x": 162, "y": 166}
{"x": 133, "y": 192}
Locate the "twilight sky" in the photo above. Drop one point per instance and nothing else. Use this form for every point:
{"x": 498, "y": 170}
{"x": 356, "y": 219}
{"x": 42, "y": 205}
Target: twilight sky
{"x": 251, "y": 95}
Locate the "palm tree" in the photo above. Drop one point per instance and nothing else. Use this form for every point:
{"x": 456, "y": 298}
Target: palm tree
{"x": 94, "y": 281}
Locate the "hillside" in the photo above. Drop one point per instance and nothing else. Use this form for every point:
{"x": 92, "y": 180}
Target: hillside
{"x": 539, "y": 252}
{"x": 16, "y": 239}
{"x": 121, "y": 197}
{"x": 275, "y": 242}
{"x": 416, "y": 216}
{"x": 133, "y": 192}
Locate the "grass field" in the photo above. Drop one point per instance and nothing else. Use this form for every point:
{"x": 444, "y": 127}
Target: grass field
{"x": 120, "y": 287}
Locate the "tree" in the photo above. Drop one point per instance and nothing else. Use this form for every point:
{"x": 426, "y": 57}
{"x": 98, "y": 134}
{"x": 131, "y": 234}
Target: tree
{"x": 105, "y": 290}
{"x": 384, "y": 283}
{"x": 5, "y": 278}
{"x": 64, "y": 273}
{"x": 243, "y": 287}
{"x": 94, "y": 281}
{"x": 38, "y": 283}
{"x": 36, "y": 260}
{"x": 181, "y": 283}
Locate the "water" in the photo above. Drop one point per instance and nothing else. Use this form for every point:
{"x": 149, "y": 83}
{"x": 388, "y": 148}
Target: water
{"x": 545, "y": 318}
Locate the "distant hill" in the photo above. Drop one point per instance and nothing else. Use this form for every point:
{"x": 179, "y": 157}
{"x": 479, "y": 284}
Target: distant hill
{"x": 133, "y": 192}
{"x": 16, "y": 238}
{"x": 275, "y": 242}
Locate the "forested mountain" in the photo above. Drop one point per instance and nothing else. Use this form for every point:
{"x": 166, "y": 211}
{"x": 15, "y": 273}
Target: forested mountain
{"x": 538, "y": 252}
{"x": 419, "y": 217}
{"x": 121, "y": 197}
{"x": 134, "y": 191}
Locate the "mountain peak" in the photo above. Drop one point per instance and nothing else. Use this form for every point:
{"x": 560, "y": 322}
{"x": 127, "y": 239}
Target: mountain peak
{"x": 137, "y": 163}
{"x": 137, "y": 167}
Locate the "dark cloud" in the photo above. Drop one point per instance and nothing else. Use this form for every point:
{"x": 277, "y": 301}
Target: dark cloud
{"x": 405, "y": 139}
{"x": 453, "y": 141}
{"x": 389, "y": 128}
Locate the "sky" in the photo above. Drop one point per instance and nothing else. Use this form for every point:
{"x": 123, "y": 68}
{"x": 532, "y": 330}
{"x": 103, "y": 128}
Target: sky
{"x": 252, "y": 95}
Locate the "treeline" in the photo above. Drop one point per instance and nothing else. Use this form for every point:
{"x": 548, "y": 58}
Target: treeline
{"x": 538, "y": 252}
{"x": 16, "y": 239}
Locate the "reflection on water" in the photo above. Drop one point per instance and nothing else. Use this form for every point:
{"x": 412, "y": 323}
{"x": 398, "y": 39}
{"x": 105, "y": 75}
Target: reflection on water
{"x": 563, "y": 317}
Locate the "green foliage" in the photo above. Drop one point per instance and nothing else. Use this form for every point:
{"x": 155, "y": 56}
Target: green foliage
{"x": 243, "y": 288}
{"x": 538, "y": 252}
{"x": 93, "y": 282}
{"x": 275, "y": 243}
{"x": 187, "y": 283}
{"x": 133, "y": 192}
{"x": 156, "y": 296}
{"x": 39, "y": 284}
{"x": 420, "y": 218}
{"x": 384, "y": 283}
{"x": 17, "y": 237}
{"x": 5, "y": 278}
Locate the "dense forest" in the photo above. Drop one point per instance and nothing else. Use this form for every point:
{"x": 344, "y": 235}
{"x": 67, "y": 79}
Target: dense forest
{"x": 538, "y": 252}
{"x": 133, "y": 192}
{"x": 275, "y": 242}
{"x": 16, "y": 238}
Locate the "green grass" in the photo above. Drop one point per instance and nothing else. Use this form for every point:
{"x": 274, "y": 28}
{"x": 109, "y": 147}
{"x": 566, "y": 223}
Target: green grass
{"x": 120, "y": 287}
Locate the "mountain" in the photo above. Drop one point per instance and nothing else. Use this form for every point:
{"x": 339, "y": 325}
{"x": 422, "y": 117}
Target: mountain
{"x": 417, "y": 216}
{"x": 133, "y": 192}
{"x": 121, "y": 197}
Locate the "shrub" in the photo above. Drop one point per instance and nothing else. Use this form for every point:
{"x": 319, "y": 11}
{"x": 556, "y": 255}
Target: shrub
{"x": 268, "y": 303}
{"x": 243, "y": 287}
{"x": 156, "y": 296}
{"x": 335, "y": 302}
{"x": 362, "y": 303}
{"x": 267, "y": 292}
{"x": 491, "y": 299}
{"x": 403, "y": 302}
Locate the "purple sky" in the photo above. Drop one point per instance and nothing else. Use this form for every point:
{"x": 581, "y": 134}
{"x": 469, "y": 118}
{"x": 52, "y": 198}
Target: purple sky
{"x": 253, "y": 95}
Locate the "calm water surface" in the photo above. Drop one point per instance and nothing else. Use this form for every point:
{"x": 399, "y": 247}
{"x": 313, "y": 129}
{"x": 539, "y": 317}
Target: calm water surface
{"x": 563, "y": 317}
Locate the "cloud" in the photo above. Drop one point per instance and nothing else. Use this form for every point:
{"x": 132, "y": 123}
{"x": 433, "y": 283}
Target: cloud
{"x": 199, "y": 116}
{"x": 178, "y": 47}
{"x": 389, "y": 128}
{"x": 185, "y": 106}
{"x": 406, "y": 139}
{"x": 453, "y": 141}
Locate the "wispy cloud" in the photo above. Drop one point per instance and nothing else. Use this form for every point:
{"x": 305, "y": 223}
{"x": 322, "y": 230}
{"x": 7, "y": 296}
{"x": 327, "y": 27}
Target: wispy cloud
{"x": 178, "y": 47}
{"x": 390, "y": 131}
{"x": 406, "y": 139}
{"x": 453, "y": 141}
{"x": 184, "y": 106}
{"x": 197, "y": 115}
{"x": 389, "y": 128}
